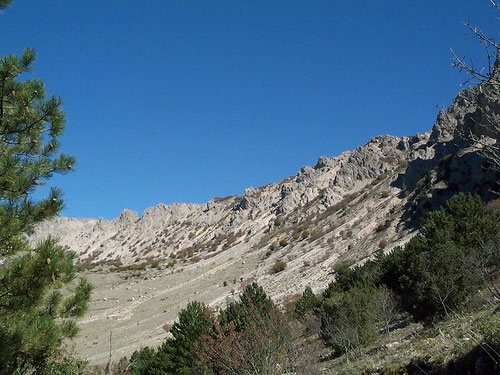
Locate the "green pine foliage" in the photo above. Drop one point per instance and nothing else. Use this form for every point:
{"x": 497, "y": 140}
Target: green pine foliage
{"x": 347, "y": 277}
{"x": 146, "y": 362}
{"x": 5, "y": 3}
{"x": 174, "y": 356}
{"x": 347, "y": 318}
{"x": 266, "y": 345}
{"x": 253, "y": 300}
{"x": 253, "y": 336}
{"x": 306, "y": 303}
{"x": 433, "y": 275}
{"x": 194, "y": 321}
{"x": 435, "y": 272}
{"x": 34, "y": 316}
{"x": 196, "y": 326}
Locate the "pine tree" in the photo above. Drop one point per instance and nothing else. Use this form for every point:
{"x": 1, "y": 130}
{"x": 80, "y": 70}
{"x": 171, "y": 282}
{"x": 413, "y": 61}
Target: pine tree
{"x": 175, "y": 354}
{"x": 34, "y": 315}
{"x": 5, "y": 3}
{"x": 437, "y": 270}
{"x": 253, "y": 300}
{"x": 306, "y": 303}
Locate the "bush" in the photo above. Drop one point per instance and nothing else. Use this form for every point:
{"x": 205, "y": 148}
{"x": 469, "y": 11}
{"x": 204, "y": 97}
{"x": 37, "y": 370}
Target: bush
{"x": 386, "y": 224}
{"x": 435, "y": 273}
{"x": 144, "y": 362}
{"x": 174, "y": 355}
{"x": 386, "y": 308}
{"x": 62, "y": 363}
{"x": 348, "y": 319}
{"x": 278, "y": 267}
{"x": 265, "y": 345}
{"x": 347, "y": 278}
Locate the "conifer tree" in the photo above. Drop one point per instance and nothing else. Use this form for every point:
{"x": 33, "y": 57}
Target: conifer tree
{"x": 306, "y": 303}
{"x": 253, "y": 300}
{"x": 175, "y": 356}
{"x": 5, "y": 3}
{"x": 34, "y": 315}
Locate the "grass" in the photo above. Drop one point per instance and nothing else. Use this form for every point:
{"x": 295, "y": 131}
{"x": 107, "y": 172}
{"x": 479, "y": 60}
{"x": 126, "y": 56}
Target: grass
{"x": 433, "y": 348}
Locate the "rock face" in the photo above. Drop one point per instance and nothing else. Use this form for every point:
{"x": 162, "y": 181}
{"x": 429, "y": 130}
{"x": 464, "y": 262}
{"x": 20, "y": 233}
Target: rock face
{"x": 340, "y": 210}
{"x": 187, "y": 231}
{"x": 166, "y": 229}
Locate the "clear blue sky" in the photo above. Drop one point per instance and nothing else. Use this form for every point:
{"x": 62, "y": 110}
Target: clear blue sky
{"x": 182, "y": 101}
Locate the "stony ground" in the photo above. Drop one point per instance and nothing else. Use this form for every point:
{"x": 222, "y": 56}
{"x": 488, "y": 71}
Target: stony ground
{"x": 133, "y": 306}
{"x": 339, "y": 211}
{"x": 134, "y": 309}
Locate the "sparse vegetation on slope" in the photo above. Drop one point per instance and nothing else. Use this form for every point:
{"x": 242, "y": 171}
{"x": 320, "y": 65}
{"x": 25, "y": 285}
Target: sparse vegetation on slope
{"x": 380, "y": 313}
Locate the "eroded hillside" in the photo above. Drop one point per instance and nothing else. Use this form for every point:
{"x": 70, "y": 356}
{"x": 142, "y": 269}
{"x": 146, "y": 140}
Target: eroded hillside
{"x": 284, "y": 235}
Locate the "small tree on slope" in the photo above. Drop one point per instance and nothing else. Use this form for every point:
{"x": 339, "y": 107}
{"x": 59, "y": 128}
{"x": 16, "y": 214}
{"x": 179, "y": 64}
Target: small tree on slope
{"x": 34, "y": 316}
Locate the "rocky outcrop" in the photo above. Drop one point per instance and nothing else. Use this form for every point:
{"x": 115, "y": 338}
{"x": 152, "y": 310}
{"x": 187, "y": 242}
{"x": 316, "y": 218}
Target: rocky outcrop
{"x": 336, "y": 210}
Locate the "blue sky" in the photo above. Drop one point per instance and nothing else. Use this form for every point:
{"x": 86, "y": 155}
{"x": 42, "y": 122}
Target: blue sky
{"x": 182, "y": 101}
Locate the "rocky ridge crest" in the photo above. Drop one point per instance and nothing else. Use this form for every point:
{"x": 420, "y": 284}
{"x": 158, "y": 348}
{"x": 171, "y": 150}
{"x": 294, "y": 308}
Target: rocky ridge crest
{"x": 340, "y": 210}
{"x": 382, "y": 180}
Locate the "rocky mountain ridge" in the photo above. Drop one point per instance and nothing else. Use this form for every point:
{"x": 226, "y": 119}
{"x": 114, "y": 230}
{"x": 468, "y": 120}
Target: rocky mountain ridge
{"x": 389, "y": 166}
{"x": 284, "y": 235}
{"x": 166, "y": 229}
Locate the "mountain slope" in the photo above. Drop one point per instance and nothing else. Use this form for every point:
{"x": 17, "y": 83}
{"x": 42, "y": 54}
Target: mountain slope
{"x": 284, "y": 235}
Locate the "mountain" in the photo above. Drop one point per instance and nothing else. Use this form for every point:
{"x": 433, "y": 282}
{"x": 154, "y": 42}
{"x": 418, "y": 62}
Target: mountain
{"x": 284, "y": 235}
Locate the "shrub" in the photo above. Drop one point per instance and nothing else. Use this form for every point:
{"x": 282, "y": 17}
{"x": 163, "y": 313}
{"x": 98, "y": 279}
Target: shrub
{"x": 435, "y": 273}
{"x": 386, "y": 224}
{"x": 283, "y": 242}
{"x": 386, "y": 308}
{"x": 266, "y": 345}
{"x": 346, "y": 234}
{"x": 278, "y": 267}
{"x": 348, "y": 319}
{"x": 174, "y": 355}
{"x": 238, "y": 313}
{"x": 143, "y": 361}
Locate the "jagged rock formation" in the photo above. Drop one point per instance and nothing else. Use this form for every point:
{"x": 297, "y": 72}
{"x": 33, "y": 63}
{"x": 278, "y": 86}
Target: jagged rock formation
{"x": 340, "y": 210}
{"x": 183, "y": 229}
{"x": 389, "y": 178}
